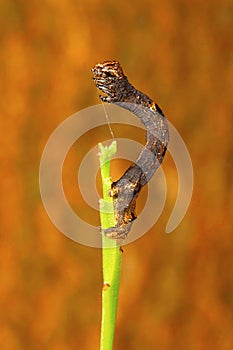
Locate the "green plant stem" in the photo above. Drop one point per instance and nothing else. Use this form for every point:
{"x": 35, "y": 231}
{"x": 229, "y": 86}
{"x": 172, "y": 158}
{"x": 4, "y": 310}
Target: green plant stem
{"x": 111, "y": 253}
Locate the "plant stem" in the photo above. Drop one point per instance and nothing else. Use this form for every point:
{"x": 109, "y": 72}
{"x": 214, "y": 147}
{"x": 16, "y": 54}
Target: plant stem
{"x": 111, "y": 253}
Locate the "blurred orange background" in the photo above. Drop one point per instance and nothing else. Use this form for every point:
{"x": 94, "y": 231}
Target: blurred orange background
{"x": 176, "y": 290}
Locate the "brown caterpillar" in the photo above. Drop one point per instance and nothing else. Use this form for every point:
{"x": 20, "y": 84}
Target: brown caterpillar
{"x": 115, "y": 88}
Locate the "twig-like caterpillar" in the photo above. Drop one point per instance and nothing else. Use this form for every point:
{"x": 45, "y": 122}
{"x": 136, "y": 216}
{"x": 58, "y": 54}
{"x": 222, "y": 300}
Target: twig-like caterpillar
{"x": 115, "y": 88}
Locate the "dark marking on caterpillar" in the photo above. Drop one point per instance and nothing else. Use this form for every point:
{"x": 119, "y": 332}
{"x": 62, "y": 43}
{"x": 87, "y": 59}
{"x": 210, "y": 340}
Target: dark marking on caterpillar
{"x": 115, "y": 88}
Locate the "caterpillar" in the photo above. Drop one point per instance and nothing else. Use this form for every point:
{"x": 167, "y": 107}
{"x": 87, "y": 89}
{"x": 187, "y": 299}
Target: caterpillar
{"x": 115, "y": 88}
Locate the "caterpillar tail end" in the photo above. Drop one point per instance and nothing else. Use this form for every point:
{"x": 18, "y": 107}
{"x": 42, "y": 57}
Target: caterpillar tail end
{"x": 118, "y": 232}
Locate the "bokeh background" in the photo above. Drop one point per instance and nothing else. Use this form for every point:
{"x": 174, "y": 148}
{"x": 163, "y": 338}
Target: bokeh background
{"x": 176, "y": 290}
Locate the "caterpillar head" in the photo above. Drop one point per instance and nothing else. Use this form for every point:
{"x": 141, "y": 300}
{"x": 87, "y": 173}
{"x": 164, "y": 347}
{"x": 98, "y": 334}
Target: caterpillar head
{"x": 109, "y": 77}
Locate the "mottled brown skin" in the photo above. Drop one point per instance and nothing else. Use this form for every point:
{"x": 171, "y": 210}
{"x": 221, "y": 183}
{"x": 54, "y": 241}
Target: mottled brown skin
{"x": 115, "y": 88}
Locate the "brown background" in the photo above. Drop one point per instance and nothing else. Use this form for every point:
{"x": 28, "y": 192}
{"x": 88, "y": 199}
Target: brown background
{"x": 176, "y": 290}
